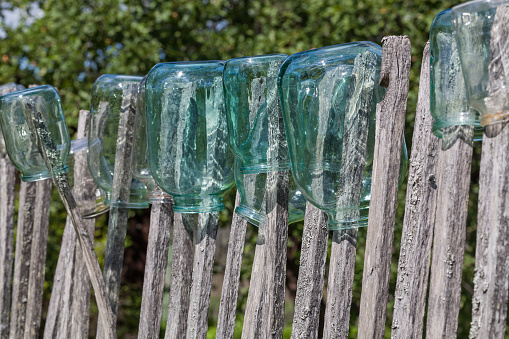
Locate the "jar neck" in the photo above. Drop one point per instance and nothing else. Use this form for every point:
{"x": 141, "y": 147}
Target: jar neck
{"x": 200, "y": 204}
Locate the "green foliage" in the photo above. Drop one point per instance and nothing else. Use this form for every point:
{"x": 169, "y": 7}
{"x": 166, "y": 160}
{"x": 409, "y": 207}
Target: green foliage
{"x": 77, "y": 41}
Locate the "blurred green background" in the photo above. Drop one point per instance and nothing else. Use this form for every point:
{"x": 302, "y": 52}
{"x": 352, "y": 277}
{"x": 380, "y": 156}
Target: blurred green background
{"x": 68, "y": 44}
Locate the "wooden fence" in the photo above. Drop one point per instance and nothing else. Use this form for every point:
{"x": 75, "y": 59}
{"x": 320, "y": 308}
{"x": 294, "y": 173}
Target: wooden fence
{"x": 435, "y": 218}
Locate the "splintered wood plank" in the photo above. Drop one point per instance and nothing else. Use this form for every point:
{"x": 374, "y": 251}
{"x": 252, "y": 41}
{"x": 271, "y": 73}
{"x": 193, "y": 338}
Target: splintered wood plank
{"x": 311, "y": 274}
{"x": 203, "y": 266}
{"x": 122, "y": 178}
{"x": 181, "y": 276}
{"x": 161, "y": 222}
{"x": 491, "y": 280}
{"x": 390, "y": 123}
{"x": 68, "y": 312}
{"x": 7, "y": 196}
{"x": 417, "y": 233}
{"x": 230, "y": 291}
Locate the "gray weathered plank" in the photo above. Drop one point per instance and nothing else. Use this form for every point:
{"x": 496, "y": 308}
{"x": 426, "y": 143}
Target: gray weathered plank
{"x": 342, "y": 264}
{"x": 31, "y": 241}
{"x": 161, "y": 222}
{"x": 181, "y": 276}
{"x": 311, "y": 274}
{"x": 265, "y": 304}
{"x": 7, "y": 195}
{"x": 417, "y": 233}
{"x": 70, "y": 298}
{"x": 203, "y": 265}
{"x": 121, "y": 188}
{"x": 491, "y": 280}
{"x": 48, "y": 150}
{"x": 395, "y": 73}
{"x": 230, "y": 291}
{"x": 453, "y": 177}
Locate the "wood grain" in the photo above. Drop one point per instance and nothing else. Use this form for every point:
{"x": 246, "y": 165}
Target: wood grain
{"x": 230, "y": 291}
{"x": 491, "y": 280}
{"x": 31, "y": 244}
{"x": 420, "y": 207}
{"x": 181, "y": 276}
{"x": 203, "y": 266}
{"x": 161, "y": 222}
{"x": 7, "y": 196}
{"x": 395, "y": 73}
{"x": 313, "y": 256}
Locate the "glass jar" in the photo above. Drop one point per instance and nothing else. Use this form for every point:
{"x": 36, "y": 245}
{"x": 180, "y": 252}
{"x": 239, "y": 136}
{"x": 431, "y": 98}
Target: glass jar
{"x": 187, "y": 134}
{"x": 313, "y": 87}
{"x": 140, "y": 167}
{"x": 252, "y": 103}
{"x": 21, "y": 144}
{"x": 105, "y": 108}
{"x": 89, "y": 198}
{"x": 449, "y": 105}
{"x": 484, "y": 56}
{"x": 251, "y": 187}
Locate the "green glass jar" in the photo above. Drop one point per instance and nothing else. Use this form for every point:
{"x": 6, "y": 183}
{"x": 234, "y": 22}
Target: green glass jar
{"x": 187, "y": 134}
{"x": 105, "y": 107}
{"x": 449, "y": 105}
{"x": 484, "y": 56}
{"x": 313, "y": 86}
{"x": 21, "y": 144}
{"x": 251, "y": 187}
{"x": 140, "y": 167}
{"x": 253, "y": 108}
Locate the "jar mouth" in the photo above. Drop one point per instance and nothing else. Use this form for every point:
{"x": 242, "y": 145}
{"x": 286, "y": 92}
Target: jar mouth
{"x": 337, "y": 225}
{"x": 461, "y": 119}
{"x": 489, "y": 119}
{"x": 100, "y": 209}
{"x": 199, "y": 204}
{"x": 136, "y": 201}
{"x": 44, "y": 175}
{"x": 159, "y": 198}
{"x": 253, "y": 167}
{"x": 250, "y": 215}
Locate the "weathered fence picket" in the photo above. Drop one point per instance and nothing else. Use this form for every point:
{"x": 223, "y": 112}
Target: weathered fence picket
{"x": 7, "y": 197}
{"x": 161, "y": 222}
{"x": 418, "y": 223}
{"x": 394, "y": 75}
{"x": 181, "y": 276}
{"x": 70, "y": 298}
{"x": 230, "y": 291}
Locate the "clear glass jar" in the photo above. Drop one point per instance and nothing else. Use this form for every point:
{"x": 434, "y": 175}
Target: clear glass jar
{"x": 187, "y": 134}
{"x": 105, "y": 108}
{"x": 89, "y": 198}
{"x": 449, "y": 105}
{"x": 484, "y": 56}
{"x": 140, "y": 167}
{"x": 313, "y": 87}
{"x": 252, "y": 103}
{"x": 251, "y": 187}
{"x": 21, "y": 144}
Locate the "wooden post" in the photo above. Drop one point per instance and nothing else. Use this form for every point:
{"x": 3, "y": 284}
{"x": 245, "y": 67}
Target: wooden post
{"x": 122, "y": 178}
{"x": 51, "y": 156}
{"x": 203, "y": 265}
{"x": 181, "y": 276}
{"x": 161, "y": 220}
{"x": 491, "y": 281}
{"x": 390, "y": 124}
{"x": 417, "y": 233}
{"x": 7, "y": 195}
{"x": 31, "y": 241}
{"x": 68, "y": 312}
{"x": 230, "y": 291}
{"x": 311, "y": 274}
